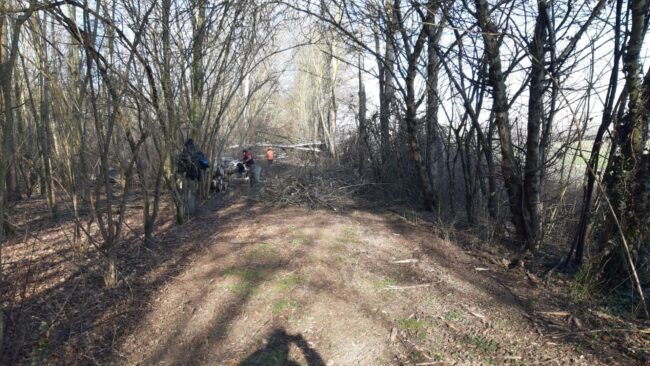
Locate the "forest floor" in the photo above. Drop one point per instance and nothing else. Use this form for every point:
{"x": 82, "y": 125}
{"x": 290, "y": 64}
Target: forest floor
{"x": 246, "y": 283}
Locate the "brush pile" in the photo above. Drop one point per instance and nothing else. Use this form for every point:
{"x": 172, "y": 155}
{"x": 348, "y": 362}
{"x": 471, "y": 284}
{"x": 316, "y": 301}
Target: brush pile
{"x": 312, "y": 187}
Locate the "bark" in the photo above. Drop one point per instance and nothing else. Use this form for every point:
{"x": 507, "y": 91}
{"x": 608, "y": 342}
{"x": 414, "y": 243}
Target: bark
{"x": 410, "y": 117}
{"x": 8, "y": 57}
{"x": 500, "y": 106}
{"x": 45, "y": 130}
{"x": 491, "y": 172}
{"x": 13, "y": 191}
{"x": 4, "y": 105}
{"x": 433, "y": 141}
{"x": 363, "y": 132}
{"x": 151, "y": 213}
{"x": 534, "y": 163}
{"x": 387, "y": 91}
{"x": 591, "y": 172}
{"x": 328, "y": 118}
{"x": 198, "y": 45}
{"x": 110, "y": 272}
{"x": 169, "y": 123}
{"x": 628, "y": 184}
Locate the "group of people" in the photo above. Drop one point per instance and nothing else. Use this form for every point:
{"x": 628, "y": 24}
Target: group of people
{"x": 247, "y": 158}
{"x": 249, "y": 163}
{"x": 191, "y": 162}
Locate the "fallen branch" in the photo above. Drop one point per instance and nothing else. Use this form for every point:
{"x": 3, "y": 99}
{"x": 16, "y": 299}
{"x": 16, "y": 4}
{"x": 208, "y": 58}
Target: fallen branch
{"x": 554, "y": 313}
{"x": 407, "y": 287}
{"x": 604, "y": 330}
{"x": 404, "y": 261}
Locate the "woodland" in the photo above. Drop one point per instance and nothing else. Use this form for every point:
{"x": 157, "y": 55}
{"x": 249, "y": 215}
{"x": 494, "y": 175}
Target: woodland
{"x": 462, "y": 182}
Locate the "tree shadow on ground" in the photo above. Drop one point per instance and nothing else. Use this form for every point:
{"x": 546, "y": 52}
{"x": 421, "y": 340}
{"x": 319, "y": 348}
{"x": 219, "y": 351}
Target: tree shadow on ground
{"x": 78, "y": 322}
{"x": 497, "y": 288}
{"x": 68, "y": 317}
{"x": 276, "y": 351}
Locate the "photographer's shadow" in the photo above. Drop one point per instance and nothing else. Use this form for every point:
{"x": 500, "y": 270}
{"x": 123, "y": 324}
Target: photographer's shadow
{"x": 276, "y": 351}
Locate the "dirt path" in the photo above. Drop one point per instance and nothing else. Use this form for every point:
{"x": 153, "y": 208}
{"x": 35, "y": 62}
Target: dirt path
{"x": 299, "y": 287}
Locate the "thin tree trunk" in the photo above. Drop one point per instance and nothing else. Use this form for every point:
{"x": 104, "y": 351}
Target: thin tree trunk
{"x": 500, "y": 106}
{"x": 198, "y": 41}
{"x": 363, "y": 133}
{"x": 388, "y": 91}
{"x": 433, "y": 155}
{"x": 580, "y": 238}
{"x": 410, "y": 118}
{"x": 7, "y": 64}
{"x": 45, "y": 137}
{"x": 533, "y": 166}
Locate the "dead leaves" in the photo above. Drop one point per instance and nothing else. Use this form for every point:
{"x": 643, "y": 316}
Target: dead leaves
{"x": 533, "y": 279}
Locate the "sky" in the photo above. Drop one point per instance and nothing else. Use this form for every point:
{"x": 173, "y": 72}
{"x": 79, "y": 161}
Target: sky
{"x": 592, "y": 60}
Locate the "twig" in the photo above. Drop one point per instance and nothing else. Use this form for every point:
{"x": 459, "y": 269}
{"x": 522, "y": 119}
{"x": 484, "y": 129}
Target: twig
{"x": 406, "y": 287}
{"x": 366, "y": 184}
{"x": 404, "y": 261}
{"x": 593, "y": 331}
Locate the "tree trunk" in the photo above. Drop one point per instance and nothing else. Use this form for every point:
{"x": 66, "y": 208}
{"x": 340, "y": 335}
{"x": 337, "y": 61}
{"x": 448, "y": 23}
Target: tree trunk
{"x": 7, "y": 63}
{"x": 110, "y": 272}
{"x": 492, "y": 174}
{"x": 4, "y": 74}
{"x": 410, "y": 117}
{"x": 533, "y": 166}
{"x": 151, "y": 213}
{"x": 170, "y": 127}
{"x": 363, "y": 133}
{"x": 198, "y": 41}
{"x": 628, "y": 183}
{"x": 429, "y": 200}
{"x": 45, "y": 136}
{"x": 433, "y": 155}
{"x": 500, "y": 106}
{"x": 387, "y": 93}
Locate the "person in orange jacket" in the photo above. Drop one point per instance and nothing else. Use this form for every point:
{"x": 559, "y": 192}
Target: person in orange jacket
{"x": 269, "y": 155}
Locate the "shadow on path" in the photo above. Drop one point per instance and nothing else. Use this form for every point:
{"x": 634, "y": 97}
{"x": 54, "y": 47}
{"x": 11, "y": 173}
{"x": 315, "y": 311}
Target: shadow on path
{"x": 276, "y": 351}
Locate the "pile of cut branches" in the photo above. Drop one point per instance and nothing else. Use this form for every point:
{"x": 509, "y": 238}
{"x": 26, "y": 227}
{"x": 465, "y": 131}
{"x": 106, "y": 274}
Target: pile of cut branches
{"x": 313, "y": 188}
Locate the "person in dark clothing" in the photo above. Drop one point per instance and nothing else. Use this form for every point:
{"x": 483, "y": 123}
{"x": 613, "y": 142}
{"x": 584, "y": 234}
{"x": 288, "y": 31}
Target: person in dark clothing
{"x": 248, "y": 158}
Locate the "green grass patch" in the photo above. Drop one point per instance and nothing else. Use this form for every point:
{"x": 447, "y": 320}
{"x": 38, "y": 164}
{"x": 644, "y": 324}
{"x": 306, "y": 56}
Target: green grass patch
{"x": 453, "y": 315}
{"x": 245, "y": 274}
{"x": 290, "y": 282}
{"x": 300, "y": 239}
{"x": 340, "y": 258}
{"x": 241, "y": 288}
{"x": 339, "y": 247}
{"x": 248, "y": 279}
{"x": 582, "y": 286}
{"x": 413, "y": 325}
{"x": 386, "y": 281}
{"x": 482, "y": 343}
{"x": 262, "y": 251}
{"x": 286, "y": 305}
{"x": 416, "y": 328}
{"x": 410, "y": 215}
{"x": 348, "y": 236}
{"x": 489, "y": 361}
